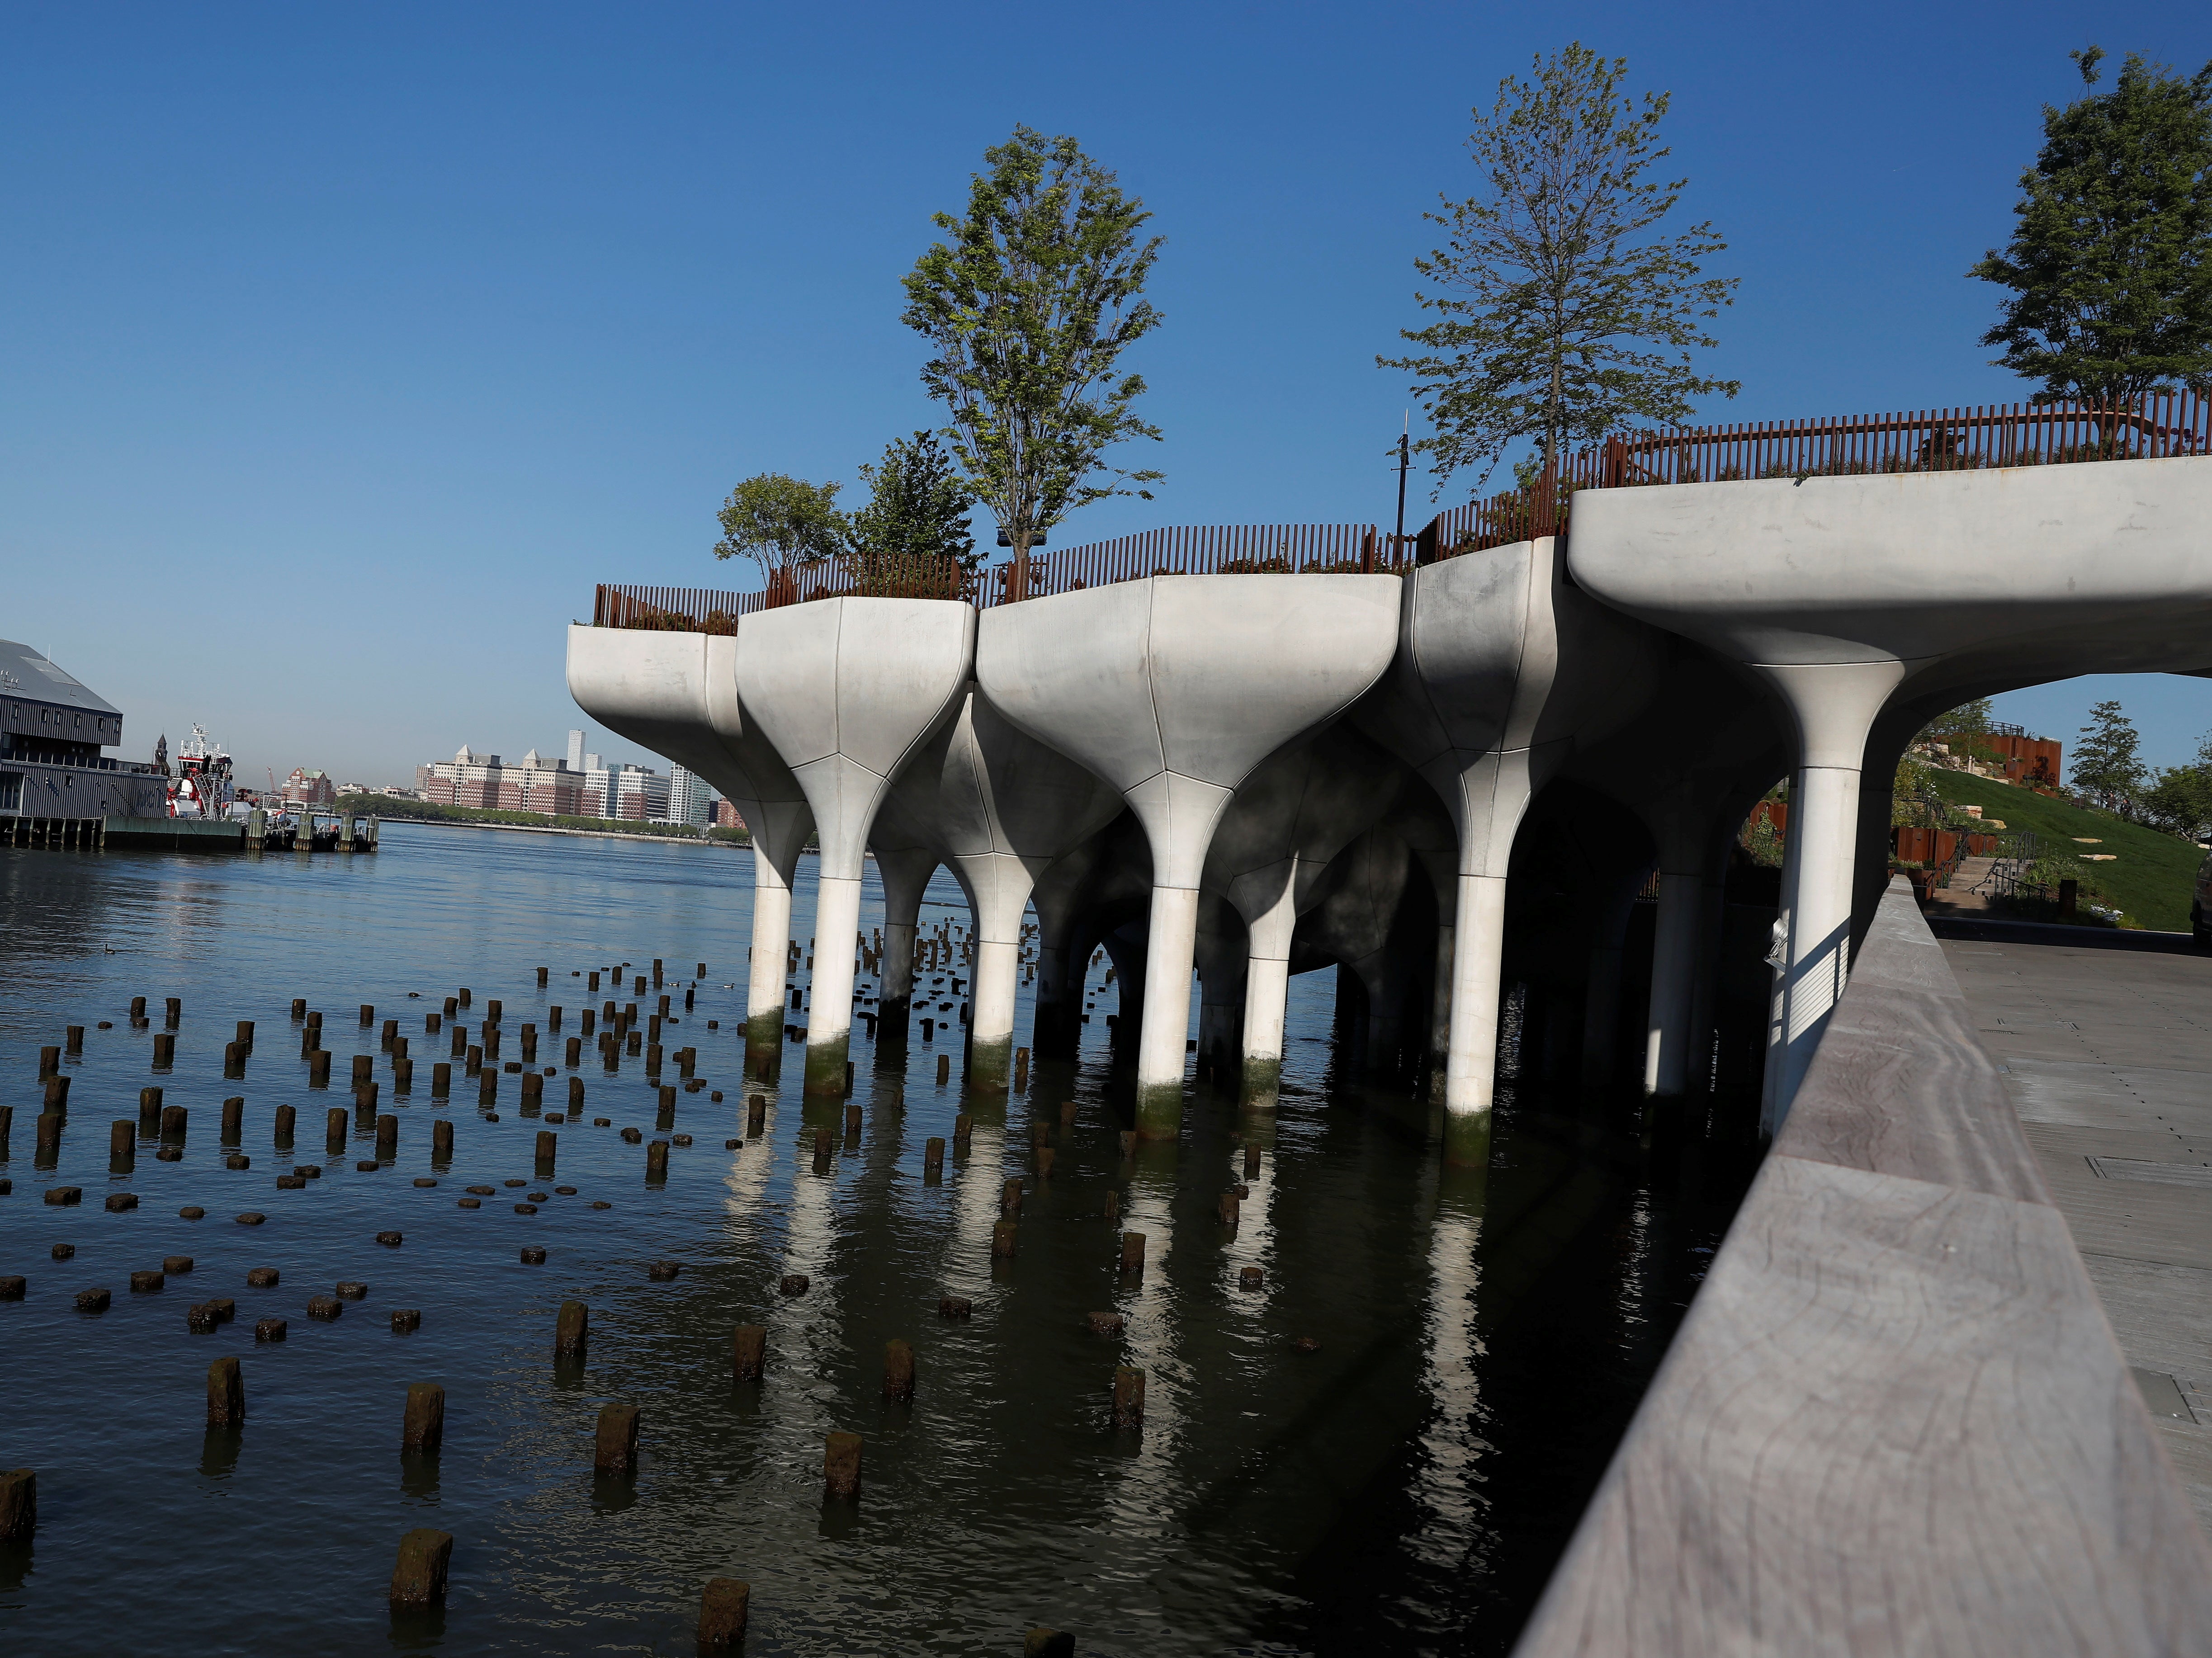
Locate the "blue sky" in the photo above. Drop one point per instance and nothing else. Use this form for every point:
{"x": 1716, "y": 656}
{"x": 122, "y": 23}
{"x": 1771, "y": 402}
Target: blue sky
{"x": 347, "y": 348}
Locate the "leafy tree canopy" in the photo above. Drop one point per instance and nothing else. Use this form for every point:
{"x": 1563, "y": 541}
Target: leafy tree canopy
{"x": 2106, "y": 762}
{"x": 2111, "y": 258}
{"x": 1029, "y": 304}
{"x": 1561, "y": 318}
{"x": 917, "y": 507}
{"x": 778, "y": 521}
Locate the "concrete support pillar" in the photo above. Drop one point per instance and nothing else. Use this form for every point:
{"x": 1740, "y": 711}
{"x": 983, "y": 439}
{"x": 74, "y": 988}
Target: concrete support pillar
{"x": 1682, "y": 836}
{"x": 1174, "y": 690}
{"x": 1834, "y": 704}
{"x": 846, "y": 691}
{"x": 905, "y": 876}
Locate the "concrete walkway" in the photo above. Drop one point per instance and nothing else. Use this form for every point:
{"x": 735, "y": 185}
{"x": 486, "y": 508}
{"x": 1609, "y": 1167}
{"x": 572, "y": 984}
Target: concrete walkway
{"x": 2105, "y": 1041}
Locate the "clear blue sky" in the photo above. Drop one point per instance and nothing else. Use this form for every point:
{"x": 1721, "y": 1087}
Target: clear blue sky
{"x": 346, "y": 348}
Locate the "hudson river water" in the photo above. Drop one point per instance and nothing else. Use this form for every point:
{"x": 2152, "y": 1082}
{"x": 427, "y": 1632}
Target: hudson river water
{"x": 1404, "y": 1488}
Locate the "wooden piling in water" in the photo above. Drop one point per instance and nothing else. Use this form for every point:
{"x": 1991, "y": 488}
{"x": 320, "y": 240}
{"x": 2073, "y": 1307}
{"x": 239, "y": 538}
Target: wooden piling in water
{"x": 723, "y": 1608}
{"x": 233, "y": 1119}
{"x": 1128, "y": 1397}
{"x": 1132, "y": 1254}
{"x": 387, "y": 1135}
{"x": 571, "y": 1329}
{"x": 286, "y": 1117}
{"x": 226, "y": 1395}
{"x": 757, "y": 1114}
{"x": 1004, "y": 1234}
{"x": 840, "y": 1465}
{"x": 334, "y": 1128}
{"x": 418, "y": 1579}
{"x": 122, "y": 1137}
{"x": 962, "y": 1124}
{"x": 932, "y": 1159}
{"x": 18, "y": 1505}
{"x": 898, "y": 1369}
{"x": 423, "y": 1424}
{"x": 615, "y": 1450}
{"x": 748, "y": 1352}
{"x": 656, "y": 1161}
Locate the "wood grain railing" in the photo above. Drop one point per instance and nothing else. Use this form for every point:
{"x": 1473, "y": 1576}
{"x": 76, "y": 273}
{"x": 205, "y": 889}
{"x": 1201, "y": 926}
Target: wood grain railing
{"x": 1895, "y": 1418}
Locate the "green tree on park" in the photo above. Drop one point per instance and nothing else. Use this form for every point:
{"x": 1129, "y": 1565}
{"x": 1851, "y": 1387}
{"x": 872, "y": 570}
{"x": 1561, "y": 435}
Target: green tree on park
{"x": 2180, "y": 799}
{"x": 2107, "y": 760}
{"x": 917, "y": 513}
{"x": 2110, "y": 258}
{"x": 1030, "y": 303}
{"x": 1562, "y": 314}
{"x": 778, "y": 521}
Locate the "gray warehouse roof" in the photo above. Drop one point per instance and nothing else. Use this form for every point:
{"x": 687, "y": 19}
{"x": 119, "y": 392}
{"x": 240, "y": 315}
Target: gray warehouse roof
{"x": 26, "y": 673}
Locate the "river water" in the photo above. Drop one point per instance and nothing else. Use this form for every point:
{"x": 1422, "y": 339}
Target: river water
{"x": 1403, "y": 1486}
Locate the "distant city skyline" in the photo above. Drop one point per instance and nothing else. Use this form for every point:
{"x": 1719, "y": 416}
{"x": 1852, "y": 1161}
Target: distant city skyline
{"x": 323, "y": 423}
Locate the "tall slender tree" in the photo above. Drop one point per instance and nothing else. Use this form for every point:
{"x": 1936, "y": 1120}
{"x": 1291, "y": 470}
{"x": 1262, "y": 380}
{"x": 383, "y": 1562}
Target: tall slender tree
{"x": 2111, "y": 256}
{"x": 2107, "y": 759}
{"x": 1561, "y": 315}
{"x": 1029, "y": 304}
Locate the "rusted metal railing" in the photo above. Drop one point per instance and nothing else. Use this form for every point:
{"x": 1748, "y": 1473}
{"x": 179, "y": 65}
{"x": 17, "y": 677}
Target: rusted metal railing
{"x": 1205, "y": 549}
{"x": 1987, "y": 435}
{"x": 2157, "y": 426}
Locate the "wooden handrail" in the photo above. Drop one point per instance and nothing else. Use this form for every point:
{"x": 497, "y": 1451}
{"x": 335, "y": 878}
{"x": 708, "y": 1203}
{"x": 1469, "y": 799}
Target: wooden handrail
{"x": 1895, "y": 1418}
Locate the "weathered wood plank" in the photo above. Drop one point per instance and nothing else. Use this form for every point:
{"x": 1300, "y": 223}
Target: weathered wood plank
{"x": 1895, "y": 1419}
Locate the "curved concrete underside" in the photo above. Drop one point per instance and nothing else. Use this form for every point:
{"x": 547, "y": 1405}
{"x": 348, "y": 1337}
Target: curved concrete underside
{"x": 1444, "y": 784}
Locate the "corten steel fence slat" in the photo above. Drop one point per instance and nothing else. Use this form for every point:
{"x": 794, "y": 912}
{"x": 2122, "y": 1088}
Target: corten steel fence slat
{"x": 2157, "y": 426}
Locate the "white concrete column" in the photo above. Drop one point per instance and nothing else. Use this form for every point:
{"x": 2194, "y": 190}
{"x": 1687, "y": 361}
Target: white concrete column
{"x": 846, "y": 689}
{"x": 1673, "y": 982}
{"x": 991, "y": 1013}
{"x": 1471, "y": 1063}
{"x": 1267, "y": 995}
{"x": 905, "y": 873}
{"x": 1835, "y": 705}
{"x": 1495, "y": 790}
{"x": 1170, "y": 947}
{"x": 764, "y": 1007}
{"x": 1682, "y": 836}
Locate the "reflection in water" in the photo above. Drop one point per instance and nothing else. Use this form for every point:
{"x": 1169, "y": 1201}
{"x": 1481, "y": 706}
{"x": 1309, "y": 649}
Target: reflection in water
{"x": 1403, "y": 1484}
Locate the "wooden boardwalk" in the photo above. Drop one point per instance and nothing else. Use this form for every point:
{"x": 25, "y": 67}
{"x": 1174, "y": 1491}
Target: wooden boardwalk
{"x": 2106, "y": 1051}
{"x": 1896, "y": 1419}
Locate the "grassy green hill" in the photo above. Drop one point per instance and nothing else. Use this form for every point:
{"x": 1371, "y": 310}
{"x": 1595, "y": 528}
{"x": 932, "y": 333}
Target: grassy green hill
{"x": 2151, "y": 875}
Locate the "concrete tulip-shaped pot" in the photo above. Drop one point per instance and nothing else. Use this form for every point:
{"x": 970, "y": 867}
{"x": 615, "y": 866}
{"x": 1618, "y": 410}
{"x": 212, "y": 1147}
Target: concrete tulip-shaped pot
{"x": 1501, "y": 667}
{"x": 676, "y": 693}
{"x": 1298, "y": 809}
{"x": 1000, "y": 807}
{"x": 846, "y": 689}
{"x": 1842, "y": 593}
{"x": 1173, "y": 689}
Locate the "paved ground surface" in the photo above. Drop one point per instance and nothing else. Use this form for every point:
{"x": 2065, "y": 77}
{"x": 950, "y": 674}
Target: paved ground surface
{"x": 2106, "y": 1043}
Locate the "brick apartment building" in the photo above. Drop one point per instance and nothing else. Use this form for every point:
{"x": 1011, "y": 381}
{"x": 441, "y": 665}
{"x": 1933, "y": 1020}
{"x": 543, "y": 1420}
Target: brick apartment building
{"x": 552, "y": 786}
{"x": 484, "y": 780}
{"x": 306, "y": 787}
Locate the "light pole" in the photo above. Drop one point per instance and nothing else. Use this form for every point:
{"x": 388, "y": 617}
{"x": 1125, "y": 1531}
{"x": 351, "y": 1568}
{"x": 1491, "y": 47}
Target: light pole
{"x": 1405, "y": 460}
